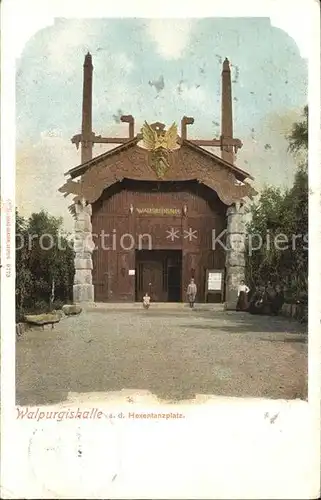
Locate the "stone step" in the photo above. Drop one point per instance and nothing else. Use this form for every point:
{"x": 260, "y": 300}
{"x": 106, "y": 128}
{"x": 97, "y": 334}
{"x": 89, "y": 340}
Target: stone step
{"x": 154, "y": 305}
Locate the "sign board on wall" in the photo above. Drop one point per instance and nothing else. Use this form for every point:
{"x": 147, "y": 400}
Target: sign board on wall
{"x": 214, "y": 282}
{"x": 131, "y": 272}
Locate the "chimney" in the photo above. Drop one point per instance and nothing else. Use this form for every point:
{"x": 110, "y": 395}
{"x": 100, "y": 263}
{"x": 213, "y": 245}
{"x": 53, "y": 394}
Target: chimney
{"x": 226, "y": 112}
{"x": 86, "y": 129}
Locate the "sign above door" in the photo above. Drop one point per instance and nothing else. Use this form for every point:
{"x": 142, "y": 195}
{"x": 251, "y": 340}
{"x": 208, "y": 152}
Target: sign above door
{"x": 159, "y": 211}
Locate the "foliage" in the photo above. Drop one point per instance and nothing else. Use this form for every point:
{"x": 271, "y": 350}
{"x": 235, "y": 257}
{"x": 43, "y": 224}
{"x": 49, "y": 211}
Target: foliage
{"x": 282, "y": 213}
{"x": 44, "y": 264}
{"x": 298, "y": 138}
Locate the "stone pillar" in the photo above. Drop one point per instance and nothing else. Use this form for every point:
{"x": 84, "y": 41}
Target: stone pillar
{"x": 235, "y": 254}
{"x": 83, "y": 290}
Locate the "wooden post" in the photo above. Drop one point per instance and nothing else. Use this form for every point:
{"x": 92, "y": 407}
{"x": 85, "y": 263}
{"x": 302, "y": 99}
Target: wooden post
{"x": 86, "y": 129}
{"x": 87, "y": 138}
{"x": 226, "y": 112}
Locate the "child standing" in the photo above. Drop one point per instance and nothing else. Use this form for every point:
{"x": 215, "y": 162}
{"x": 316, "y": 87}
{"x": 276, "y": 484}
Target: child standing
{"x": 191, "y": 293}
{"x": 146, "y": 301}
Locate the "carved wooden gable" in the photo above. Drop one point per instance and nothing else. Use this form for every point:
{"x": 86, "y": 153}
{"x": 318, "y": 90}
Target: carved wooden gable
{"x": 186, "y": 163}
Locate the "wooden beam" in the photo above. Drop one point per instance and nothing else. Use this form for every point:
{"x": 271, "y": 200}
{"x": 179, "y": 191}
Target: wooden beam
{"x": 206, "y": 142}
{"x": 110, "y": 140}
{"x": 113, "y": 140}
{"x": 218, "y": 143}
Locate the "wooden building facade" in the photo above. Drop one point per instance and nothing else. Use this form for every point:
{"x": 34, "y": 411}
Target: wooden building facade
{"x": 150, "y": 211}
{"x": 159, "y": 237}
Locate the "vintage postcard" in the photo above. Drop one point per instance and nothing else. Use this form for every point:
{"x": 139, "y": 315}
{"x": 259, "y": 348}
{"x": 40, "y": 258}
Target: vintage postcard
{"x": 160, "y": 267}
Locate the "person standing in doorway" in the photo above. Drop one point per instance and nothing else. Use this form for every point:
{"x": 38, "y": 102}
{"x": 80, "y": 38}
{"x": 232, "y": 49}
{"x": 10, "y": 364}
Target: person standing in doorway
{"x": 242, "y": 301}
{"x": 191, "y": 293}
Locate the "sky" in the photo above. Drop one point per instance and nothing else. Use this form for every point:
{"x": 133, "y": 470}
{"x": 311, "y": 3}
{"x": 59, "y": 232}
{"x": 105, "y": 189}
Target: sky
{"x": 155, "y": 70}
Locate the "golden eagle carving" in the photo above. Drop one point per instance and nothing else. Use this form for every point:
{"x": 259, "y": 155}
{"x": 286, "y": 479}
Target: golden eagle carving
{"x": 160, "y": 142}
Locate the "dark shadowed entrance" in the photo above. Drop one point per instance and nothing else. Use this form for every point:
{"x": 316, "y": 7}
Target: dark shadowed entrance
{"x": 159, "y": 272}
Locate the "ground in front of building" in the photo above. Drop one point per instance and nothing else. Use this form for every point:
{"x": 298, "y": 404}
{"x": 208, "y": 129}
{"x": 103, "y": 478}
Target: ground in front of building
{"x": 175, "y": 353}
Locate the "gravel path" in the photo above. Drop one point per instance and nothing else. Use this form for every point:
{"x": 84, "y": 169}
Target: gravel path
{"x": 174, "y": 353}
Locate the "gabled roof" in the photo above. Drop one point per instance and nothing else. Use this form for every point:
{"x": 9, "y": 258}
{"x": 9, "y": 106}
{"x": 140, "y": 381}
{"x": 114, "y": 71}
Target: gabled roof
{"x": 186, "y": 163}
{"x": 219, "y": 160}
{"x": 81, "y": 169}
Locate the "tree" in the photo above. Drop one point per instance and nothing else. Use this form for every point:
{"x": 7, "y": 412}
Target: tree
{"x": 44, "y": 262}
{"x": 282, "y": 213}
{"x": 263, "y": 263}
{"x": 295, "y": 214}
{"x": 298, "y": 137}
{"x": 298, "y": 199}
{"x": 24, "y": 278}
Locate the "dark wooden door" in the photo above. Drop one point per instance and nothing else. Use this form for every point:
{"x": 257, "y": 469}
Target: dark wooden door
{"x": 174, "y": 283}
{"x": 152, "y": 279}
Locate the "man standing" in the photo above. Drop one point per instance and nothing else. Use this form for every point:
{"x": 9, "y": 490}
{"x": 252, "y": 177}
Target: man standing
{"x": 191, "y": 293}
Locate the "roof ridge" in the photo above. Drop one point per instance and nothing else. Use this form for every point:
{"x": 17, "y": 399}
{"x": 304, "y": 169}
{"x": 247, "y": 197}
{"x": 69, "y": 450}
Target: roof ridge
{"x": 80, "y": 169}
